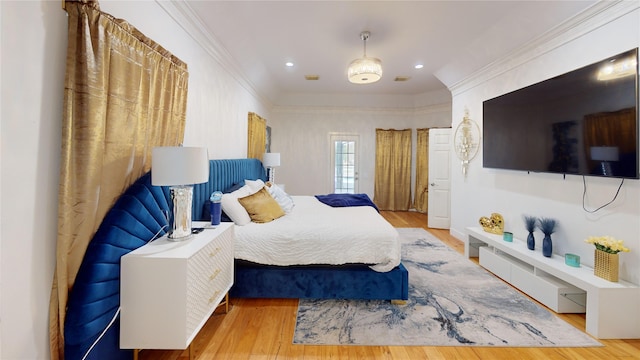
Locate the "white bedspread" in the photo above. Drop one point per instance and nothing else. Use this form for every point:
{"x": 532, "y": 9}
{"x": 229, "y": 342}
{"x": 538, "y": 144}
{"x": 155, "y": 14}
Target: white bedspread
{"x": 315, "y": 233}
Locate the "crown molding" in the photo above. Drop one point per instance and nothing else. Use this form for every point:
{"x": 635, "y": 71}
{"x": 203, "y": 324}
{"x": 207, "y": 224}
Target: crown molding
{"x": 339, "y": 109}
{"x": 433, "y": 109}
{"x": 189, "y": 21}
{"x": 423, "y": 110}
{"x": 592, "y": 18}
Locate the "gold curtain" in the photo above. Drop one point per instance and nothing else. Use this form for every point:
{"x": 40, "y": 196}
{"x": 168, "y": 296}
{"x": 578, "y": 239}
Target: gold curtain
{"x": 123, "y": 95}
{"x": 616, "y": 128}
{"x": 257, "y": 136}
{"x": 421, "y": 198}
{"x": 392, "y": 186}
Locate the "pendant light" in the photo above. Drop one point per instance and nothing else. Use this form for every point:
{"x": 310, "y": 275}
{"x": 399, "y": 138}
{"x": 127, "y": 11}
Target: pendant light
{"x": 365, "y": 70}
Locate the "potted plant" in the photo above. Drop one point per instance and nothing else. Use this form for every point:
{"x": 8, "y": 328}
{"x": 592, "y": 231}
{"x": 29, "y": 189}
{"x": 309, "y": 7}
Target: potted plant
{"x": 606, "y": 260}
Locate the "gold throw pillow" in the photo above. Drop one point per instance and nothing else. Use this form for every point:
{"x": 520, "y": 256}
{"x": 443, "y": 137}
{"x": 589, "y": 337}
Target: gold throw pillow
{"x": 261, "y": 206}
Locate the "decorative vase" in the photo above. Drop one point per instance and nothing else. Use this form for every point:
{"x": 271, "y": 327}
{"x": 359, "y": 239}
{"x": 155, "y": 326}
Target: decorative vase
{"x": 531, "y": 241}
{"x": 547, "y": 245}
{"x": 606, "y": 265}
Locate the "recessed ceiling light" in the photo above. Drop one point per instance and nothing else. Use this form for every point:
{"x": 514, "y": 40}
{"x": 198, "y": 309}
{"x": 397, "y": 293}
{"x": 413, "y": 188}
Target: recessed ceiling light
{"x": 419, "y": 66}
{"x": 289, "y": 64}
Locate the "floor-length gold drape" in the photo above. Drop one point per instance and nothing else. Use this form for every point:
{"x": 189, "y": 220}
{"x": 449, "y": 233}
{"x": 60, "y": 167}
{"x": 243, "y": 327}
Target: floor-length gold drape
{"x": 123, "y": 95}
{"x": 421, "y": 197}
{"x": 392, "y": 186}
{"x": 257, "y": 136}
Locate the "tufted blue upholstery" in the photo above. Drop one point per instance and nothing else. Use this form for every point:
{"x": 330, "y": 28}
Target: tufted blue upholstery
{"x": 135, "y": 219}
{"x": 222, "y": 175}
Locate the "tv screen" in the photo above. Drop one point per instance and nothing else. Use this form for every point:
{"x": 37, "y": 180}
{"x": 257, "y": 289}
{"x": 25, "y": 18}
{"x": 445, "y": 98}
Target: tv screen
{"x": 584, "y": 122}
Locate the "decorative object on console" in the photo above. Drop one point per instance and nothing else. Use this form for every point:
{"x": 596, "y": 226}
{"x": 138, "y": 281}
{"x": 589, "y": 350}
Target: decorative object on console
{"x": 606, "y": 261}
{"x": 179, "y": 168}
{"x": 530, "y": 225}
{"x": 270, "y": 161}
{"x": 466, "y": 140}
{"x": 493, "y": 224}
{"x": 507, "y": 236}
{"x": 215, "y": 205}
{"x": 606, "y": 265}
{"x": 547, "y": 226}
{"x": 572, "y": 260}
{"x": 365, "y": 70}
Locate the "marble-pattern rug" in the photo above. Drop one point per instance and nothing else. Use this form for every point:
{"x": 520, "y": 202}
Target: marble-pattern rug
{"x": 452, "y": 302}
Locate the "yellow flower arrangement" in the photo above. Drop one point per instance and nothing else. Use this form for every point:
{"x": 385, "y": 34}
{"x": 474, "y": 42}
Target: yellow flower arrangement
{"x": 607, "y": 244}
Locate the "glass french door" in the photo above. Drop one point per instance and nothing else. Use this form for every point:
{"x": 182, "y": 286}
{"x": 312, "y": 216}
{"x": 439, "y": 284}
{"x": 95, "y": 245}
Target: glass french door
{"x": 344, "y": 162}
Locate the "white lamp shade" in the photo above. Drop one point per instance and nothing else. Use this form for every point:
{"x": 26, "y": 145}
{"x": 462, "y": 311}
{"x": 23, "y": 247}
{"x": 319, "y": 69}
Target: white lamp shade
{"x": 177, "y": 165}
{"x": 605, "y": 153}
{"x": 271, "y": 159}
{"x": 365, "y": 70}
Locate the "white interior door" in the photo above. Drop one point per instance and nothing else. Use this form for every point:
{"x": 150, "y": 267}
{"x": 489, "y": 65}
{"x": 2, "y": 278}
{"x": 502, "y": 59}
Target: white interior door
{"x": 439, "y": 214}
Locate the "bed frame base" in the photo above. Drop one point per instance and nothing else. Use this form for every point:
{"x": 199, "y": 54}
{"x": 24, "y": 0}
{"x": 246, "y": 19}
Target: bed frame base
{"x": 319, "y": 282}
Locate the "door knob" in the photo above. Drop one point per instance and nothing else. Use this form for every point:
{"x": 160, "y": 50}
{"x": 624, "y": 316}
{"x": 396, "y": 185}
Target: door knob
{"x": 433, "y": 184}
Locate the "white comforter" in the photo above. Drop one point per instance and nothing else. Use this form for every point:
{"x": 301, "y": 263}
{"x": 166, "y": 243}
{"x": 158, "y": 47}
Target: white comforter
{"x": 315, "y": 233}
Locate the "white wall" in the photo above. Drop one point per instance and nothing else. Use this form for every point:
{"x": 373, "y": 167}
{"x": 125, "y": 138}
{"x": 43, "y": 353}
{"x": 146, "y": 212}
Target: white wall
{"x": 301, "y": 134}
{"x": 33, "y": 52}
{"x": 514, "y": 193}
{"x": 33, "y": 48}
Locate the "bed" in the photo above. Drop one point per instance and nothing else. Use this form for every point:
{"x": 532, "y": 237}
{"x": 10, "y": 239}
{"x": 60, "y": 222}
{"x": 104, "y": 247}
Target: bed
{"x": 137, "y": 217}
{"x": 284, "y": 259}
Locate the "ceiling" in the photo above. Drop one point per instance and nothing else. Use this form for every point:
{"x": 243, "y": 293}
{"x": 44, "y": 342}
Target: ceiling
{"x": 452, "y": 39}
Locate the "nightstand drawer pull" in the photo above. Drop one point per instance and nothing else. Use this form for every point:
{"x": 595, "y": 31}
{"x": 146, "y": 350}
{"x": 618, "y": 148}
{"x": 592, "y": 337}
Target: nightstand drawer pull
{"x": 214, "y": 297}
{"x": 214, "y": 252}
{"x": 215, "y": 274}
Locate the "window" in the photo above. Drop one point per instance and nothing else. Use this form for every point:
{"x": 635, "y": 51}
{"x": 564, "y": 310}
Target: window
{"x": 344, "y": 157}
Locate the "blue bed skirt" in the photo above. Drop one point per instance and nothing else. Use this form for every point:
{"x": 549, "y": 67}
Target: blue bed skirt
{"x": 319, "y": 282}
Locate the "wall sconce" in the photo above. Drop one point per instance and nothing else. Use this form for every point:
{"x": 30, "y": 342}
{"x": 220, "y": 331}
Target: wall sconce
{"x": 271, "y": 160}
{"x": 179, "y": 168}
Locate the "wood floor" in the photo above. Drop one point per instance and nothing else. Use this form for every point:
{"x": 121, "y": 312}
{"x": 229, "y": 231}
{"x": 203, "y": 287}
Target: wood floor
{"x": 259, "y": 329}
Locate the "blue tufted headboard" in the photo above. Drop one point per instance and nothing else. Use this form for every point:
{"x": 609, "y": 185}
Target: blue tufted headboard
{"x": 135, "y": 219}
{"x": 222, "y": 175}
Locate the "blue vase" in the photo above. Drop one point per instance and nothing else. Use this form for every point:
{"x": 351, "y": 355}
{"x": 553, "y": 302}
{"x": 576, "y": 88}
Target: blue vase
{"x": 531, "y": 241}
{"x": 547, "y": 246}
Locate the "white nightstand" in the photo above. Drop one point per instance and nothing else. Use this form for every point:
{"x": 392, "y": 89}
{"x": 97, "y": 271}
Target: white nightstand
{"x": 169, "y": 289}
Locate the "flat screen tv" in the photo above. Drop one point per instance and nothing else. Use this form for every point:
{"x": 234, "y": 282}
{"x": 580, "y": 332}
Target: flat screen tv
{"x": 584, "y": 122}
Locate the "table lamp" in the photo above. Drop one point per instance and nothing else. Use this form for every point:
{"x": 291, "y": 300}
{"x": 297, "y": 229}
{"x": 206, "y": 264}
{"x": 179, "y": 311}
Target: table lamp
{"x": 179, "y": 168}
{"x": 271, "y": 160}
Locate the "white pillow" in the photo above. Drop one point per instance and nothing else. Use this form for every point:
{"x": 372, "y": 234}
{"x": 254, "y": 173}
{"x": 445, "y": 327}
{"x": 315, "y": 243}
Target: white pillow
{"x": 282, "y": 198}
{"x": 232, "y": 207}
{"x": 254, "y": 185}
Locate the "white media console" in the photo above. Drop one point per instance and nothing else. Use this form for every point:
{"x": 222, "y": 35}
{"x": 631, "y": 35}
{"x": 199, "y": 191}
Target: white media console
{"x": 612, "y": 308}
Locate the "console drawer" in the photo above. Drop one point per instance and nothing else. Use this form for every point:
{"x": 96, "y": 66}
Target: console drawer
{"x": 494, "y": 263}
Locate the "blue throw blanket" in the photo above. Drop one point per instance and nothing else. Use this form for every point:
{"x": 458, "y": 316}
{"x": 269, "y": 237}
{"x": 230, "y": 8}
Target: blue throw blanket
{"x": 341, "y": 200}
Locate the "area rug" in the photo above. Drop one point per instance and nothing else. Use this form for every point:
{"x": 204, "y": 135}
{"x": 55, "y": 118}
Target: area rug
{"x": 452, "y": 302}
